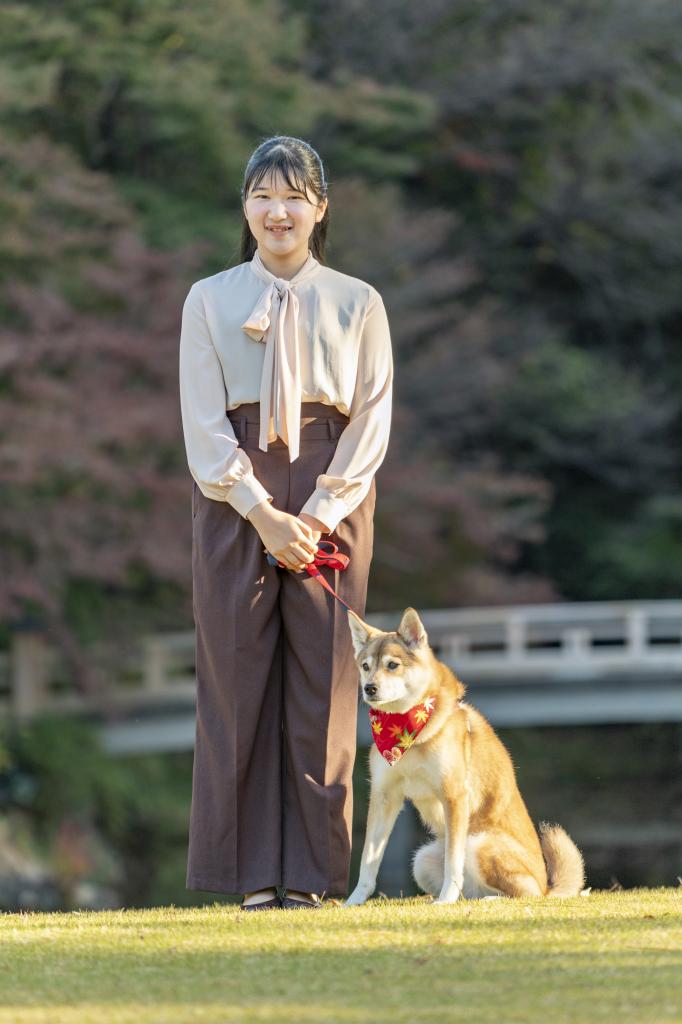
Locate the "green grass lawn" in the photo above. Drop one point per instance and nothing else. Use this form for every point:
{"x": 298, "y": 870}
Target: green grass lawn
{"x": 609, "y": 956}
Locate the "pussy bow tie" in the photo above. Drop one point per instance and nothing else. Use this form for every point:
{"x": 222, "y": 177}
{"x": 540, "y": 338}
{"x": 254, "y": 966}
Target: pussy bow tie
{"x": 274, "y": 321}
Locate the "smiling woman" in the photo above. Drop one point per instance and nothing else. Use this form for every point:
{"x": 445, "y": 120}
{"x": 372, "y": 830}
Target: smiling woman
{"x": 286, "y": 375}
{"x": 281, "y": 216}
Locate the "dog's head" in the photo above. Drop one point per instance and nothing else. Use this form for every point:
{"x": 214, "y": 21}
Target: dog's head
{"x": 397, "y": 668}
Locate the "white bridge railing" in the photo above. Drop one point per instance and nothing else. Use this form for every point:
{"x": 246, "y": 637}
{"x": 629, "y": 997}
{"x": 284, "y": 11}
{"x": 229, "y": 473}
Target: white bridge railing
{"x": 500, "y": 651}
{"x": 554, "y": 641}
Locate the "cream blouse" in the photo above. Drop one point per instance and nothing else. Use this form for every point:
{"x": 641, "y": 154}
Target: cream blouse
{"x": 249, "y": 336}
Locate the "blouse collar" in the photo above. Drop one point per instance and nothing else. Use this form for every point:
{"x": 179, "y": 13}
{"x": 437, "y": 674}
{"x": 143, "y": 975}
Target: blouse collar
{"x": 309, "y": 268}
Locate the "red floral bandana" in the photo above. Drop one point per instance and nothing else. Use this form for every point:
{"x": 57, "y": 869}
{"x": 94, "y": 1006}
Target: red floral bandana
{"x": 394, "y": 732}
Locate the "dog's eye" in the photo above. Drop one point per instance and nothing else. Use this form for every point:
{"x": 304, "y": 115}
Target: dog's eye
{"x": 365, "y": 666}
{"x": 392, "y": 664}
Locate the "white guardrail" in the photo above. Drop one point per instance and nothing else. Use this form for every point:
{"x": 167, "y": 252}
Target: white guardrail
{"x": 500, "y": 651}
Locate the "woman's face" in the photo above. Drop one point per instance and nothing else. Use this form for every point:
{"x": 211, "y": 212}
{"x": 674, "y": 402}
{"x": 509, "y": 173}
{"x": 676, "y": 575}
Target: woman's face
{"x": 272, "y": 205}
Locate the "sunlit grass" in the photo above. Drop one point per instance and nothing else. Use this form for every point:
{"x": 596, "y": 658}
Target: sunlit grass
{"x": 604, "y": 957}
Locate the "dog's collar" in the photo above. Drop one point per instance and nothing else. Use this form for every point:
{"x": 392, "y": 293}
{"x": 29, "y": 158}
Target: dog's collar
{"x": 394, "y": 732}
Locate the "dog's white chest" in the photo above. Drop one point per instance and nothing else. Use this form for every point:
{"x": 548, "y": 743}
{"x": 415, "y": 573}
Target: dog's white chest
{"x": 417, "y": 782}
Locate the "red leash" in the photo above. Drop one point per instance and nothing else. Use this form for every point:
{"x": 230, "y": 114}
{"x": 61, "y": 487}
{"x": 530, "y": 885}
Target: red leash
{"x": 333, "y": 559}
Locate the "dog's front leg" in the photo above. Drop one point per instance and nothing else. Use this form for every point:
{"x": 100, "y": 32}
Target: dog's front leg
{"x": 384, "y": 807}
{"x": 456, "y": 813}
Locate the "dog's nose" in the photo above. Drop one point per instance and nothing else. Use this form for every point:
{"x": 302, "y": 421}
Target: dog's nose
{"x": 371, "y": 690}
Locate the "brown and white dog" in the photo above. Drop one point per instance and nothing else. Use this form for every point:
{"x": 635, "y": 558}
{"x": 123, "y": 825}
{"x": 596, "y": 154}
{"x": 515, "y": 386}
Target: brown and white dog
{"x": 458, "y": 775}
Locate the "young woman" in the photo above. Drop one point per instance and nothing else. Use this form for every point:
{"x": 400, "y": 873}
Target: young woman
{"x": 286, "y": 376}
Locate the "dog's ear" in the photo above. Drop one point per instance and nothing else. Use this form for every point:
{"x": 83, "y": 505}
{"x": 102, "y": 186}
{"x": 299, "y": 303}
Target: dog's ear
{"x": 411, "y": 629}
{"x": 360, "y": 631}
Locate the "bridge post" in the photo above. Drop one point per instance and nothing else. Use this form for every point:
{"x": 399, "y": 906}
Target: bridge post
{"x": 29, "y": 673}
{"x": 576, "y": 643}
{"x": 636, "y": 622}
{"x": 515, "y": 630}
{"x": 154, "y": 678}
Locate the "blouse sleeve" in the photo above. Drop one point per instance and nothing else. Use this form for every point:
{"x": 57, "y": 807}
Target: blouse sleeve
{"x": 363, "y": 443}
{"x": 221, "y": 469}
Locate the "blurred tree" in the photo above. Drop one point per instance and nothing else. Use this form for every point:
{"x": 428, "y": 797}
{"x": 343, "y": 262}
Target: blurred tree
{"x": 93, "y": 480}
{"x": 171, "y": 100}
{"x": 557, "y": 142}
{"x": 505, "y": 176}
{"x": 113, "y": 110}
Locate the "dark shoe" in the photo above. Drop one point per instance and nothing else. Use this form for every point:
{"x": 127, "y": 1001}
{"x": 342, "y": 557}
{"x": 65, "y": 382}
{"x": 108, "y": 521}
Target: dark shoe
{"x": 289, "y": 903}
{"x": 274, "y": 904}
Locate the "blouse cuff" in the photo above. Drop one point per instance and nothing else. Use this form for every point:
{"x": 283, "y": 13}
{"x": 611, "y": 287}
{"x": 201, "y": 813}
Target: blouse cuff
{"x": 246, "y": 493}
{"x": 325, "y": 507}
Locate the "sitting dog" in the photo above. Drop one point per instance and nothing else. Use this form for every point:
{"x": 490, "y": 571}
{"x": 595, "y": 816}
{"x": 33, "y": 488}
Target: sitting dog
{"x": 439, "y": 752}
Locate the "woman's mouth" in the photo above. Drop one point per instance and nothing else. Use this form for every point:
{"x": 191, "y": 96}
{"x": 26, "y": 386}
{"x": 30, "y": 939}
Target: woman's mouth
{"x": 280, "y": 230}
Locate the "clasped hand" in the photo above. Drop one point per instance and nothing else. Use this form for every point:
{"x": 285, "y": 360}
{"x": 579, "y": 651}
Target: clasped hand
{"x": 291, "y": 539}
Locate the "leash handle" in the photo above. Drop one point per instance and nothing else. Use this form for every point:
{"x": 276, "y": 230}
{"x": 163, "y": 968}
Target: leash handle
{"x": 333, "y": 559}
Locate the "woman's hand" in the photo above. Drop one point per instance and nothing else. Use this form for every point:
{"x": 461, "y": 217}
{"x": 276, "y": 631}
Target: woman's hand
{"x": 289, "y": 538}
{"x": 316, "y": 525}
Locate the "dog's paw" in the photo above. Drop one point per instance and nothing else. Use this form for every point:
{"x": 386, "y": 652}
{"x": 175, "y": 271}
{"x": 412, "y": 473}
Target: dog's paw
{"x": 356, "y": 899}
{"x": 454, "y": 898}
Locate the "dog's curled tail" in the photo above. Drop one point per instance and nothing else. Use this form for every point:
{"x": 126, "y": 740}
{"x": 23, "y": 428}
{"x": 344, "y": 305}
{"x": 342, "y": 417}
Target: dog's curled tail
{"x": 565, "y": 867}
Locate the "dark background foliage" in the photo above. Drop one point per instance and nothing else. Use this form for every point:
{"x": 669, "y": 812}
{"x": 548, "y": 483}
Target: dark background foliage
{"x": 507, "y": 175}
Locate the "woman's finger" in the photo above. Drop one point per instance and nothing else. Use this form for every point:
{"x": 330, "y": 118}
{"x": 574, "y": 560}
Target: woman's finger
{"x": 303, "y": 554}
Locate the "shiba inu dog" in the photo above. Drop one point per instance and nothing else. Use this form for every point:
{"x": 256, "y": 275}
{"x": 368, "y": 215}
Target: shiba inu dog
{"x": 439, "y": 752}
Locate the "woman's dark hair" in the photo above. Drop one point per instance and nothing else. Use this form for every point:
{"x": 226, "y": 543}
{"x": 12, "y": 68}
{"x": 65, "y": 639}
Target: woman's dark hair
{"x": 301, "y": 168}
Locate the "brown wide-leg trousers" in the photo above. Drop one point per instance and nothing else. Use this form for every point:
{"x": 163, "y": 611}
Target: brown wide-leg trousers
{"x": 277, "y": 683}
